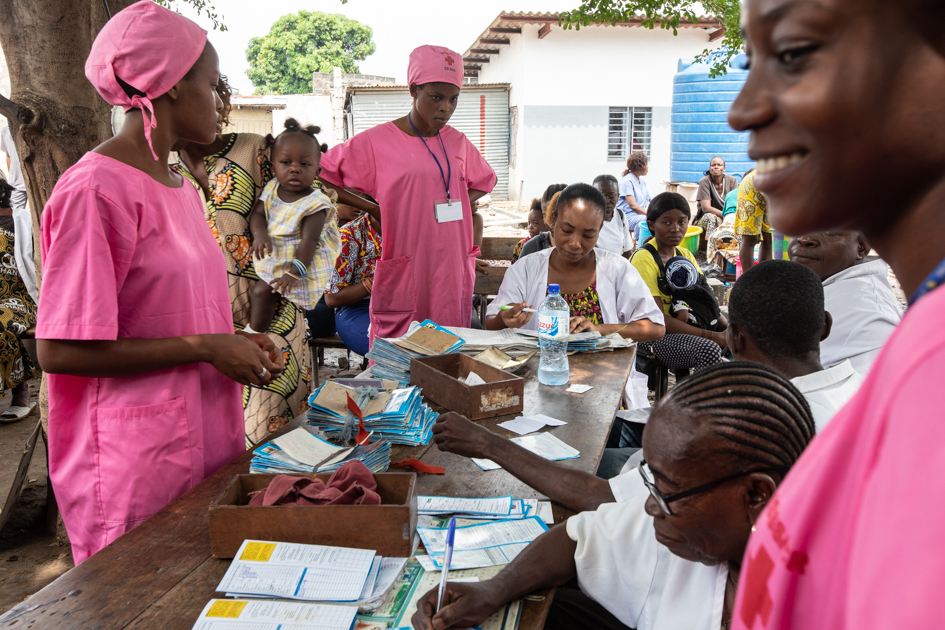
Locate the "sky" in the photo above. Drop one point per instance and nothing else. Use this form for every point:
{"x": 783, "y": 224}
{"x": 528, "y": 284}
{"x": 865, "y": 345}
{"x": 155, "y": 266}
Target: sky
{"x": 399, "y": 27}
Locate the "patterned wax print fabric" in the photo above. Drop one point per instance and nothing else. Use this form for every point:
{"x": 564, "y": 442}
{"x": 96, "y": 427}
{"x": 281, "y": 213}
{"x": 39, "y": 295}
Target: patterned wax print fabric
{"x": 284, "y": 224}
{"x": 17, "y": 314}
{"x": 237, "y": 175}
{"x": 360, "y": 251}
{"x": 751, "y": 217}
{"x": 517, "y": 250}
{"x": 585, "y": 304}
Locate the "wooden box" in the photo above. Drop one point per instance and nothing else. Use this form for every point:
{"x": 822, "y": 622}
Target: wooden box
{"x": 387, "y": 528}
{"x": 438, "y": 376}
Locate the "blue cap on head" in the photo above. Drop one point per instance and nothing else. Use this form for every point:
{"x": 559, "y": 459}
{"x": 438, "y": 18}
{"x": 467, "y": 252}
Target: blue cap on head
{"x": 554, "y": 288}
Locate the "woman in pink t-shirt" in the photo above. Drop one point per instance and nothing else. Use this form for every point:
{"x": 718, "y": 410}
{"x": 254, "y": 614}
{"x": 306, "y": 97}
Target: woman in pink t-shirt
{"x": 425, "y": 176}
{"x": 840, "y": 90}
{"x": 135, "y": 328}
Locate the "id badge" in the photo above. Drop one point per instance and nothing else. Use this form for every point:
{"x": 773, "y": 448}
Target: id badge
{"x": 447, "y": 212}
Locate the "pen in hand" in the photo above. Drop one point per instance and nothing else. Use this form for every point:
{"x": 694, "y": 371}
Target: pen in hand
{"x": 506, "y": 307}
{"x": 447, "y": 558}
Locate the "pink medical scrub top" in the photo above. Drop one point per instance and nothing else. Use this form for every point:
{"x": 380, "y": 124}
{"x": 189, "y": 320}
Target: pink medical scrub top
{"x": 853, "y": 537}
{"x": 427, "y": 269}
{"x": 126, "y": 257}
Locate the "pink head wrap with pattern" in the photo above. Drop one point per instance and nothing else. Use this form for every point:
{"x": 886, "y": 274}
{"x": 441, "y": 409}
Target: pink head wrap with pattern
{"x": 148, "y": 47}
{"x": 435, "y": 64}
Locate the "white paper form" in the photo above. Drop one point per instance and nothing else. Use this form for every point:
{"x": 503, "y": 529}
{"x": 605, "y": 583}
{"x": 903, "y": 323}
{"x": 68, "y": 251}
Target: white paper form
{"x": 390, "y": 570}
{"x": 523, "y": 425}
{"x": 484, "y": 536}
{"x": 302, "y": 446}
{"x": 371, "y": 580}
{"x": 224, "y": 614}
{"x": 541, "y": 509}
{"x": 310, "y": 572}
{"x": 460, "y": 505}
{"x": 544, "y": 444}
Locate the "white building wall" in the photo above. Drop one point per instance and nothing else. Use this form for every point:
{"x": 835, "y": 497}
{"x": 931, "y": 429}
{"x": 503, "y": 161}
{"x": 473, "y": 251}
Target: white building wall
{"x": 310, "y": 109}
{"x": 563, "y": 86}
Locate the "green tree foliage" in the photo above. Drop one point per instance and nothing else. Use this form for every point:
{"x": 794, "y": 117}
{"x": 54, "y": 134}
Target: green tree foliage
{"x": 298, "y": 45}
{"x": 668, "y": 15}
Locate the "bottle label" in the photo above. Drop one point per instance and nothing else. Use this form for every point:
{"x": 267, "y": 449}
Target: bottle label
{"x": 552, "y": 326}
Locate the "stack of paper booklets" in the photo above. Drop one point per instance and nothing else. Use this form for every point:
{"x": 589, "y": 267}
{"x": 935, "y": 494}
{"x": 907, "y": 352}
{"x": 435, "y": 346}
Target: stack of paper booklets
{"x": 481, "y": 545}
{"x": 392, "y": 356}
{"x": 489, "y": 509}
{"x": 300, "y": 451}
{"x": 397, "y": 417}
{"x": 507, "y": 340}
{"x": 266, "y": 614}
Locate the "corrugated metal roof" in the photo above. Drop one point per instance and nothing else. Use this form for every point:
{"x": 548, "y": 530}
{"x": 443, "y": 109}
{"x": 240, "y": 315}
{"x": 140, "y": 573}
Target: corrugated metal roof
{"x": 401, "y": 88}
{"x": 509, "y": 24}
{"x": 258, "y": 100}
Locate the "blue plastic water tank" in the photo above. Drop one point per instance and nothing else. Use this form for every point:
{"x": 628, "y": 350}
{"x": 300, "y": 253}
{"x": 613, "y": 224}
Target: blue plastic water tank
{"x": 700, "y": 128}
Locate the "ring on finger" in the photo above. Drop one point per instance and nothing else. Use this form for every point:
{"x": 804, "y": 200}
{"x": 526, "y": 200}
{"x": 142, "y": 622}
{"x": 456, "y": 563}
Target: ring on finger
{"x": 263, "y": 373}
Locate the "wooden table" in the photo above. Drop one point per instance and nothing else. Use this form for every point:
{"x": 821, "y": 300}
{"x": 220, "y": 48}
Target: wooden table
{"x": 161, "y": 574}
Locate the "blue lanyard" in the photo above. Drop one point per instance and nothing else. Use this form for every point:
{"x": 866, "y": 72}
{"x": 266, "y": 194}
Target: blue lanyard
{"x": 449, "y": 169}
{"x": 931, "y": 282}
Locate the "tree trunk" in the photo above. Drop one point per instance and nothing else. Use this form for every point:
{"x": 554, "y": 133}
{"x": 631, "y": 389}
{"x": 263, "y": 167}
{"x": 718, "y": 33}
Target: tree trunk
{"x": 55, "y": 114}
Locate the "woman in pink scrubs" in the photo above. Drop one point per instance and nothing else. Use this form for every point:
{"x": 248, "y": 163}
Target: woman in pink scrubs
{"x": 426, "y": 176}
{"x": 853, "y": 537}
{"x": 135, "y": 327}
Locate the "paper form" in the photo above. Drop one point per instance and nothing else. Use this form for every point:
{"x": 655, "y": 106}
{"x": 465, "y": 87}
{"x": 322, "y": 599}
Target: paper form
{"x": 543, "y": 444}
{"x": 541, "y": 509}
{"x": 222, "y": 614}
{"x": 579, "y": 389}
{"x": 459, "y": 505}
{"x": 390, "y": 570}
{"x": 311, "y": 572}
{"x": 371, "y": 579}
{"x": 524, "y": 425}
{"x": 302, "y": 446}
{"x": 483, "y": 536}
{"x": 477, "y": 558}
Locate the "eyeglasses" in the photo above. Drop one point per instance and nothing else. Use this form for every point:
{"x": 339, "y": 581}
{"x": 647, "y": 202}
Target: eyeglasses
{"x": 663, "y": 501}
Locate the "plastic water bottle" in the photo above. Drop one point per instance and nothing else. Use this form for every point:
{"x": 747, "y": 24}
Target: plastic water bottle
{"x": 553, "y": 326}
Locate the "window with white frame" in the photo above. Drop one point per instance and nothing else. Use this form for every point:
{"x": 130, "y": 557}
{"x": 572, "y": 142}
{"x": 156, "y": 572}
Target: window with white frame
{"x": 628, "y": 130}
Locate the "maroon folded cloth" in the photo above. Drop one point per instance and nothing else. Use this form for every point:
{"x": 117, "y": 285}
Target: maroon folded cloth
{"x": 352, "y": 484}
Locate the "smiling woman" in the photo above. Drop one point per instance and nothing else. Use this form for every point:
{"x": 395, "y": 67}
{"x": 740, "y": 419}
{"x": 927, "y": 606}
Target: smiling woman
{"x": 835, "y": 88}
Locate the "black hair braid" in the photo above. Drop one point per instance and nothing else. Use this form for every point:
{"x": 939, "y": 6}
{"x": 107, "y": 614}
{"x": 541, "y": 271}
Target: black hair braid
{"x": 759, "y": 415}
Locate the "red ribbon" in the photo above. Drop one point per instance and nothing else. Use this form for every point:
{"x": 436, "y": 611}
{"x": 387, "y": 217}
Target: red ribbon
{"x": 419, "y": 466}
{"x": 363, "y": 435}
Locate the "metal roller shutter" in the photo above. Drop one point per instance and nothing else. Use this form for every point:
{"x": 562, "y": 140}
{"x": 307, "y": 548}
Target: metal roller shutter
{"x": 482, "y": 114}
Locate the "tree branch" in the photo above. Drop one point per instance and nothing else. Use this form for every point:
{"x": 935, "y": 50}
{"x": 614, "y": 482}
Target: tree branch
{"x": 10, "y": 109}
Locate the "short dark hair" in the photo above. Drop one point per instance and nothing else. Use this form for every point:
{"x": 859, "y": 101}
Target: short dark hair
{"x": 550, "y": 192}
{"x": 584, "y": 192}
{"x": 663, "y": 203}
{"x": 763, "y": 420}
{"x": 600, "y": 179}
{"x": 780, "y": 306}
{"x": 536, "y": 205}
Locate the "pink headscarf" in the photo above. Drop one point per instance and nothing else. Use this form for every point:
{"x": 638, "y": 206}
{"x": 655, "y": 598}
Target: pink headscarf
{"x": 435, "y": 64}
{"x": 148, "y": 47}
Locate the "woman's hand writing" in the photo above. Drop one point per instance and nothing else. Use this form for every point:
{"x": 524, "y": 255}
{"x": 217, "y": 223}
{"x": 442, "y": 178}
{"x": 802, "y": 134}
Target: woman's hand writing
{"x": 465, "y": 605}
{"x": 239, "y": 358}
{"x": 515, "y": 317}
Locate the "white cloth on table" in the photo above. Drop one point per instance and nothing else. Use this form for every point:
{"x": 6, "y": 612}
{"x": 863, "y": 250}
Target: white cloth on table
{"x": 624, "y": 297}
{"x": 865, "y": 312}
{"x": 828, "y": 390}
{"x": 615, "y": 235}
{"x": 622, "y": 566}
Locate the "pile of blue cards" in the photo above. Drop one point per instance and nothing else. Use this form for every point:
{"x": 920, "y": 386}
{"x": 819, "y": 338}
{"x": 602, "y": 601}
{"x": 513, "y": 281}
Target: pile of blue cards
{"x": 392, "y": 356}
{"x": 299, "y": 451}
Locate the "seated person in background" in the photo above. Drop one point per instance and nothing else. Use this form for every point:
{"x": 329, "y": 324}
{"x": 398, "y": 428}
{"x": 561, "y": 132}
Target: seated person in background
{"x": 634, "y": 193}
{"x": 777, "y": 319}
{"x": 713, "y": 190}
{"x": 536, "y": 225}
{"x": 545, "y": 239}
{"x": 605, "y": 293}
{"x": 751, "y": 223}
{"x": 685, "y": 346}
{"x": 349, "y": 290}
{"x": 615, "y": 235}
{"x": 668, "y": 556}
{"x": 856, "y": 292}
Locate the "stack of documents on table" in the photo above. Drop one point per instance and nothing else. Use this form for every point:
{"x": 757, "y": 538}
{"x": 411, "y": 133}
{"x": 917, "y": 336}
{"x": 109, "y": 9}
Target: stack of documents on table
{"x": 544, "y": 444}
{"x": 392, "y": 356}
{"x": 397, "y": 417}
{"x": 242, "y": 614}
{"x": 294, "y": 571}
{"x": 577, "y": 342}
{"x": 482, "y": 545}
{"x": 300, "y": 451}
{"x": 506, "y": 340}
{"x": 492, "y": 508}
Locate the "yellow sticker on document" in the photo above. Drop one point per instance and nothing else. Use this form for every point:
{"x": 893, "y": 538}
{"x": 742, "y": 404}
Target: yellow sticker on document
{"x": 230, "y": 610}
{"x": 258, "y": 551}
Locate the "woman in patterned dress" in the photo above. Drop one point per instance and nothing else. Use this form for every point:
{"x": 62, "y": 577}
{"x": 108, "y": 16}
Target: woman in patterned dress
{"x": 17, "y": 315}
{"x": 235, "y": 168}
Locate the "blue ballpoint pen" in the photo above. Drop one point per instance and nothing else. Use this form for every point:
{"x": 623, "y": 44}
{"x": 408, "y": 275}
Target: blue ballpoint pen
{"x": 447, "y": 558}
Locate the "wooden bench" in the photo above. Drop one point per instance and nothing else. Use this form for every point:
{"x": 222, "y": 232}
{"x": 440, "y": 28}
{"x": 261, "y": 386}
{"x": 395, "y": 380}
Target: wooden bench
{"x": 498, "y": 247}
{"x": 318, "y": 345}
{"x": 488, "y": 285}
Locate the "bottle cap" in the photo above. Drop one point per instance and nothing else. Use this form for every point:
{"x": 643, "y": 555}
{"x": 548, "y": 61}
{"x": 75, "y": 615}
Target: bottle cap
{"x": 554, "y": 288}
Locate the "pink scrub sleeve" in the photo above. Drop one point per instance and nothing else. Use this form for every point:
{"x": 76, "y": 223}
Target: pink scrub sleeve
{"x": 79, "y": 298}
{"x": 479, "y": 175}
{"x": 351, "y": 165}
